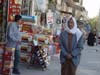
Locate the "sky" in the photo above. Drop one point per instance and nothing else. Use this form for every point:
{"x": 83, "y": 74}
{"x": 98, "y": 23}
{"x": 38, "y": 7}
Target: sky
{"x": 92, "y": 6}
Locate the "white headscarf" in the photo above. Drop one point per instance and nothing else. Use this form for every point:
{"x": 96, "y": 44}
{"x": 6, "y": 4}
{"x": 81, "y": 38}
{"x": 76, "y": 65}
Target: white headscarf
{"x": 74, "y": 30}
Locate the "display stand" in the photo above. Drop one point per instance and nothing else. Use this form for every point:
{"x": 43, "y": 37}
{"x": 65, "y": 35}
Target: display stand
{"x": 26, "y": 34}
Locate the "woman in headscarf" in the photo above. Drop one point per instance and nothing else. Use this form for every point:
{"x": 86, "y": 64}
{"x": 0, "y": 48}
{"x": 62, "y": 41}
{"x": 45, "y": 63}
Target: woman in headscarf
{"x": 91, "y": 38}
{"x": 71, "y": 44}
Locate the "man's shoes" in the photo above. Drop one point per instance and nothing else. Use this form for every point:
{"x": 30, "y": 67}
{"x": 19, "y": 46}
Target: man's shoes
{"x": 16, "y": 71}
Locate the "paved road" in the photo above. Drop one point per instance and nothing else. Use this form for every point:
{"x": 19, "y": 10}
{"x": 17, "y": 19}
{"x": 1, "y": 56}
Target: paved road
{"x": 89, "y": 65}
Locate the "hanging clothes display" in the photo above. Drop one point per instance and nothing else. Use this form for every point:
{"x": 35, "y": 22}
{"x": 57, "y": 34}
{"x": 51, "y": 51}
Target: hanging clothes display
{"x": 43, "y": 19}
{"x": 41, "y": 5}
{"x": 26, "y": 7}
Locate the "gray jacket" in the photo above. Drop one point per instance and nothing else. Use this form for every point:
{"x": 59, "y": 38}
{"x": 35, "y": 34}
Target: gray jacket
{"x": 13, "y": 35}
{"x": 76, "y": 48}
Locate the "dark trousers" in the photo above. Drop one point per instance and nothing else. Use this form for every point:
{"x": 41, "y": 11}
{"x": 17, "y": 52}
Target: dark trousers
{"x": 68, "y": 68}
{"x": 16, "y": 59}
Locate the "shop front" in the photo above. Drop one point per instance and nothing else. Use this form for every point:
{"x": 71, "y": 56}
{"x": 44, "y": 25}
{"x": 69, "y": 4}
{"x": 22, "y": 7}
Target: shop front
{"x": 37, "y": 32}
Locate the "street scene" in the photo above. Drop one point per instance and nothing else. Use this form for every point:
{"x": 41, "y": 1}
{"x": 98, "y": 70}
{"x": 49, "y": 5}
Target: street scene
{"x": 49, "y": 37}
{"x": 89, "y": 65}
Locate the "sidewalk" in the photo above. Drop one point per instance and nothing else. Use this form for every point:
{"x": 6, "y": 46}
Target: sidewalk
{"x": 89, "y": 65}
{"x": 90, "y": 62}
{"x": 53, "y": 69}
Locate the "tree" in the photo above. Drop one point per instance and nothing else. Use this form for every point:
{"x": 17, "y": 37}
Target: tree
{"x": 93, "y": 22}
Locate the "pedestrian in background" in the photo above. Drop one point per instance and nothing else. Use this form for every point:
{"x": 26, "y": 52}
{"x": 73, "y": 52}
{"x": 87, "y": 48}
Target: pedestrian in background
{"x": 14, "y": 39}
{"x": 91, "y": 39}
{"x": 71, "y": 44}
